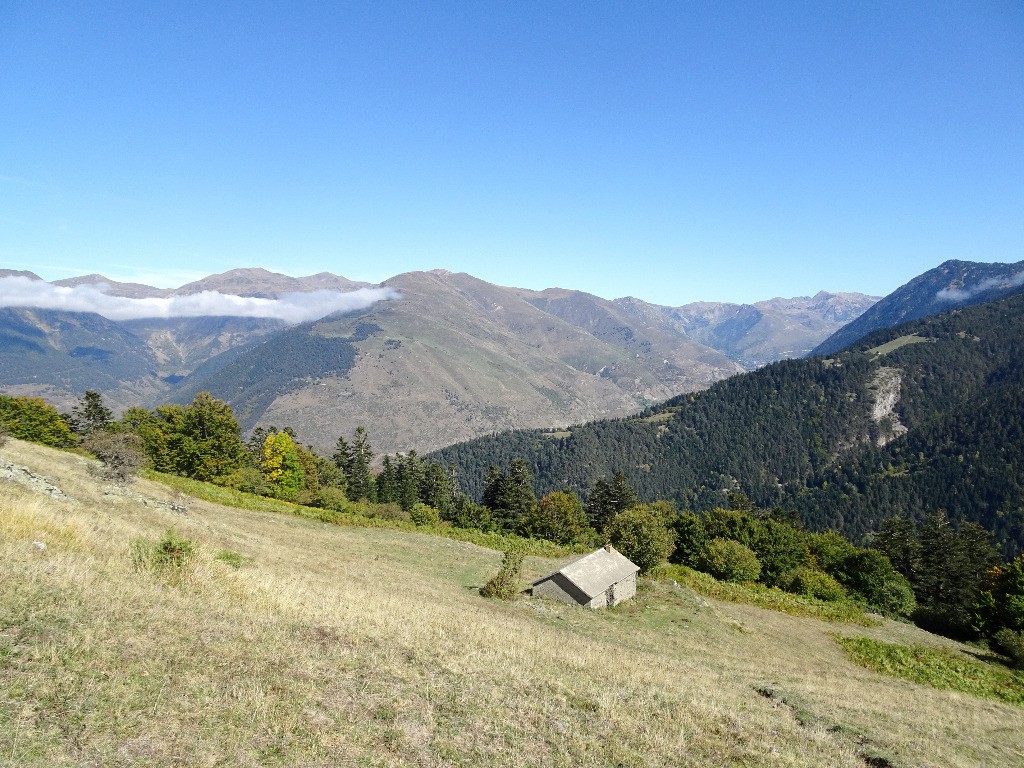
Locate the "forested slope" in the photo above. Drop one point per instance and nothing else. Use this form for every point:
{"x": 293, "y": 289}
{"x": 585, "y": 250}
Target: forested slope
{"x": 815, "y": 436}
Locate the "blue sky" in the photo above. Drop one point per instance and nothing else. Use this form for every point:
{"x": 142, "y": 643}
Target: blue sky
{"x": 677, "y": 151}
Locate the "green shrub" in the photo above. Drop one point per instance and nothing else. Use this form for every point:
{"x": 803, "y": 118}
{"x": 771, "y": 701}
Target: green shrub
{"x": 729, "y": 560}
{"x": 246, "y": 480}
{"x": 382, "y": 511}
{"x": 812, "y": 583}
{"x": 424, "y": 514}
{"x": 505, "y": 584}
{"x": 165, "y": 557}
{"x": 640, "y": 534}
{"x": 228, "y": 557}
{"x": 895, "y": 597}
{"x": 331, "y": 498}
{"x": 1011, "y": 642}
{"x": 770, "y": 598}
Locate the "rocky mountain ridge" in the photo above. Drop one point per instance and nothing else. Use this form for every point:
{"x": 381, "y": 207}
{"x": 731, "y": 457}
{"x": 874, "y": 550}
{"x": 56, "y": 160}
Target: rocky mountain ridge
{"x": 451, "y": 358}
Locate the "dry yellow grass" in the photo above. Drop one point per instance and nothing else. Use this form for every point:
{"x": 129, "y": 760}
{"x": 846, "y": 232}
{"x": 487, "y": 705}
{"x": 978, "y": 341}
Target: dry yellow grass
{"x": 366, "y": 647}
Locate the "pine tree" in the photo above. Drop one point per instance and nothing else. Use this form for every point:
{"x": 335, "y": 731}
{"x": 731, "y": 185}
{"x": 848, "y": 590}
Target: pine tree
{"x": 90, "y": 414}
{"x": 510, "y": 497}
{"x": 608, "y": 498}
{"x": 359, "y": 476}
{"x": 436, "y": 488}
{"x": 387, "y": 482}
{"x": 409, "y": 477}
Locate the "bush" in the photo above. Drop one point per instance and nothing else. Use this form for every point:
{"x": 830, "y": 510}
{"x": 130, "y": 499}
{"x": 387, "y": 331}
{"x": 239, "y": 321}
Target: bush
{"x": 164, "y": 557}
{"x": 729, "y": 560}
{"x": 246, "y": 480}
{"x": 1011, "y": 642}
{"x": 640, "y": 534}
{"x": 424, "y": 514}
{"x": 384, "y": 511}
{"x": 812, "y": 583}
{"x": 330, "y": 498}
{"x": 895, "y": 597}
{"x": 505, "y": 584}
{"x": 120, "y": 454}
{"x": 3, "y": 435}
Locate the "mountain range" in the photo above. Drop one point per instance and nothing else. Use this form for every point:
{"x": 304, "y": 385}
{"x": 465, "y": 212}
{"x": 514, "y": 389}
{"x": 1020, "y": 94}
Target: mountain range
{"x": 447, "y": 358}
{"x": 924, "y": 416}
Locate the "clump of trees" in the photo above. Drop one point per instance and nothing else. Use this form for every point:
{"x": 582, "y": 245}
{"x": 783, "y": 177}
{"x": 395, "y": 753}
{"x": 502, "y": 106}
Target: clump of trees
{"x": 33, "y": 419}
{"x": 744, "y": 543}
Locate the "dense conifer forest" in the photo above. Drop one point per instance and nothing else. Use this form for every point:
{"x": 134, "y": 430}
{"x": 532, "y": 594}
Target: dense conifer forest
{"x": 804, "y": 435}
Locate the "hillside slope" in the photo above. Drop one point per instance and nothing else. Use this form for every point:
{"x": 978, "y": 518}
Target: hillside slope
{"x": 56, "y": 354}
{"x": 455, "y": 358}
{"x": 922, "y": 417}
{"x": 950, "y": 285}
{"x": 343, "y": 646}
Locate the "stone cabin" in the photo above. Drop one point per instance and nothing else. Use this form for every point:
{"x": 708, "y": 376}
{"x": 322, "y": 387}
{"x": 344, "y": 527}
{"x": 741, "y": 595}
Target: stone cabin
{"x": 604, "y": 577}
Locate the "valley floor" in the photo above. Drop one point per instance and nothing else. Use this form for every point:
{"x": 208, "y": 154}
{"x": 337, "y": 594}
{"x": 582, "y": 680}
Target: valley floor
{"x": 334, "y": 646}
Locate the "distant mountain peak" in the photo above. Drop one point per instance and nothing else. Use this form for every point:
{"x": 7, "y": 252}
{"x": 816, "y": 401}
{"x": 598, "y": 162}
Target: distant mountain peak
{"x": 954, "y": 283}
{"x": 19, "y": 273}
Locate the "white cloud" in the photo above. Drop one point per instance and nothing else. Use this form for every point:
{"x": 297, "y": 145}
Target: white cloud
{"x": 291, "y": 307}
{"x": 962, "y": 294}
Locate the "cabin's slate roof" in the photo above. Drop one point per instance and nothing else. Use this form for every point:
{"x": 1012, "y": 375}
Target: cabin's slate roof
{"x": 594, "y": 573}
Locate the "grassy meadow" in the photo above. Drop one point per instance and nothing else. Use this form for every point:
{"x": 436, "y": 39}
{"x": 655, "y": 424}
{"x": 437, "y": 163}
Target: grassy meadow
{"x": 295, "y": 642}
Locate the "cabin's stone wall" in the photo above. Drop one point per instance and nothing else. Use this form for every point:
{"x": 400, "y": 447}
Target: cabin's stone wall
{"x": 557, "y": 587}
{"x": 621, "y": 591}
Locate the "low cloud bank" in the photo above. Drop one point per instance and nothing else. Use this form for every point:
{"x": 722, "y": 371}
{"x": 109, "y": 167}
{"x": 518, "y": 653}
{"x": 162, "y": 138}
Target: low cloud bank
{"x": 291, "y": 307}
{"x": 962, "y": 294}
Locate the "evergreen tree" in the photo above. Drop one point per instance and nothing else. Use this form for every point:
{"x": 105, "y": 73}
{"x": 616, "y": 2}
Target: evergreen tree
{"x": 254, "y": 445}
{"x": 510, "y": 497}
{"x": 342, "y": 456}
{"x": 952, "y": 574}
{"x": 387, "y": 482}
{"x": 436, "y": 488}
{"x": 608, "y": 498}
{"x": 354, "y": 460}
{"x": 897, "y": 539}
{"x": 410, "y": 473}
{"x": 90, "y": 414}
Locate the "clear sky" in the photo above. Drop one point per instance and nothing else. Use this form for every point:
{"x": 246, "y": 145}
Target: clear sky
{"x": 674, "y": 151}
